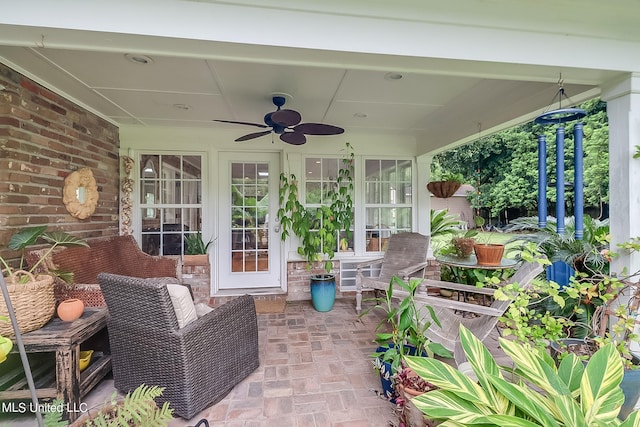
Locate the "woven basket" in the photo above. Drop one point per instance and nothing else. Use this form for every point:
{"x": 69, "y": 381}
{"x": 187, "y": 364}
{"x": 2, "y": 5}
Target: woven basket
{"x": 33, "y": 302}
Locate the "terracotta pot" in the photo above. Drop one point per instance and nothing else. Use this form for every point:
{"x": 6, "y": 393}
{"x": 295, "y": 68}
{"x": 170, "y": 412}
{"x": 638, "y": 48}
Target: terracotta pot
{"x": 411, "y": 415}
{"x": 70, "y": 309}
{"x": 202, "y": 259}
{"x": 489, "y": 254}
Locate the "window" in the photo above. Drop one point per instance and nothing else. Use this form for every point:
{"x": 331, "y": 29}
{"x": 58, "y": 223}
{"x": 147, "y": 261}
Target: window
{"x": 170, "y": 201}
{"x": 388, "y": 200}
{"x": 321, "y": 177}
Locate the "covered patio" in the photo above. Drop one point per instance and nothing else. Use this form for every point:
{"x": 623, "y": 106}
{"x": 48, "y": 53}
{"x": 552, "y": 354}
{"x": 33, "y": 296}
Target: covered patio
{"x": 404, "y": 81}
{"x": 132, "y": 91}
{"x": 315, "y": 370}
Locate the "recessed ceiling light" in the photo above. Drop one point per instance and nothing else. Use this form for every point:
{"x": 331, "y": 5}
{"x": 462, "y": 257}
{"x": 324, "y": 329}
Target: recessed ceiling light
{"x": 393, "y": 76}
{"x": 182, "y": 106}
{"x": 138, "y": 59}
{"x": 359, "y": 115}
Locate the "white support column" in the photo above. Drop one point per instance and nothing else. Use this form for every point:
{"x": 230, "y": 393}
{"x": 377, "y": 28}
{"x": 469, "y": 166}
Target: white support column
{"x": 623, "y": 111}
{"x": 423, "y": 205}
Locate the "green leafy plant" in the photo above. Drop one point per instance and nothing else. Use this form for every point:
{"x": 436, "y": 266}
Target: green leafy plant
{"x": 533, "y": 393}
{"x": 460, "y": 244}
{"x": 546, "y": 313}
{"x": 448, "y": 176}
{"x": 196, "y": 244}
{"x": 29, "y": 236}
{"x": 318, "y": 228}
{"x": 138, "y": 408}
{"x": 587, "y": 255}
{"x": 54, "y": 418}
{"x": 443, "y": 223}
{"x": 406, "y": 323}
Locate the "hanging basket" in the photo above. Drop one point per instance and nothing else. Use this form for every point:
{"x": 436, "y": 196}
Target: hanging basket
{"x": 443, "y": 189}
{"x": 33, "y": 302}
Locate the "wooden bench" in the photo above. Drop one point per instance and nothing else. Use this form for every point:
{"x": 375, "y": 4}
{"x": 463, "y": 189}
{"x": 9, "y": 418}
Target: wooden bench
{"x": 113, "y": 254}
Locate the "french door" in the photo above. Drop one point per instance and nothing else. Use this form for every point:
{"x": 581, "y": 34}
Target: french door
{"x": 250, "y": 249}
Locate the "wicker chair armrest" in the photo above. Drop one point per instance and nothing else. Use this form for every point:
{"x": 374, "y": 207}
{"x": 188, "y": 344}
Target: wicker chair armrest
{"x": 369, "y": 263}
{"x": 232, "y": 323}
{"x": 408, "y": 271}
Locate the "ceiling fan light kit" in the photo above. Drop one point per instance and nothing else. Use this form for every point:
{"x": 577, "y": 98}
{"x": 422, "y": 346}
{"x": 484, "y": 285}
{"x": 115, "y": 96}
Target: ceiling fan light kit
{"x": 286, "y": 123}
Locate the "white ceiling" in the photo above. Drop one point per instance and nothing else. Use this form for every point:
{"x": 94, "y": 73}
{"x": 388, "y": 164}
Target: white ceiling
{"x": 189, "y": 82}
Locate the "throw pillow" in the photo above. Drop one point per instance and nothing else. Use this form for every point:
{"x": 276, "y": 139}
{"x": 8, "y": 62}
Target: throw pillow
{"x": 182, "y": 304}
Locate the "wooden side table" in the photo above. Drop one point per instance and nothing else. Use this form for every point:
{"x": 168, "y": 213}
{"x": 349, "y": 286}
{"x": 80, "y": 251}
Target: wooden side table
{"x": 65, "y": 381}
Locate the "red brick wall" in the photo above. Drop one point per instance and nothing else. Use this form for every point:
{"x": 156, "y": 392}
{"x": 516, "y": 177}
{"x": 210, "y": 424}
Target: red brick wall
{"x": 298, "y": 277}
{"x": 43, "y": 138}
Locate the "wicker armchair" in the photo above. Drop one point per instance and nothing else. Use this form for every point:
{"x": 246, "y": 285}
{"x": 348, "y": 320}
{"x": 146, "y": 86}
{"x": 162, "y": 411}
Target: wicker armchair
{"x": 198, "y": 364}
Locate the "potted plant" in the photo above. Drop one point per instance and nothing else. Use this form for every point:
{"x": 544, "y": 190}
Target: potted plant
{"x": 487, "y": 253}
{"x": 32, "y": 294}
{"x": 196, "y": 249}
{"x": 447, "y": 185}
{"x": 401, "y": 331}
{"x": 319, "y": 228}
{"x": 408, "y": 384}
{"x": 462, "y": 244}
{"x": 535, "y": 392}
{"x": 576, "y": 318}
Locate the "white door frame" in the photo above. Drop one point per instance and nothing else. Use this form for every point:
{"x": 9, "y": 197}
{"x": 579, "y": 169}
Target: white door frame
{"x": 248, "y": 280}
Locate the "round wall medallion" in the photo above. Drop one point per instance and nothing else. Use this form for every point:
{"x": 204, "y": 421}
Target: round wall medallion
{"x": 80, "y": 194}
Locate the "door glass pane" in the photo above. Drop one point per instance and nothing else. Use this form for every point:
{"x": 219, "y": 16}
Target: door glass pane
{"x": 249, "y": 217}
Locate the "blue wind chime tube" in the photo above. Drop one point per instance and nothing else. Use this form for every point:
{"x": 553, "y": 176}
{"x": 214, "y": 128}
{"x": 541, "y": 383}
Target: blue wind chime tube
{"x": 578, "y": 154}
{"x": 558, "y": 117}
{"x": 560, "y": 180}
{"x": 542, "y": 181}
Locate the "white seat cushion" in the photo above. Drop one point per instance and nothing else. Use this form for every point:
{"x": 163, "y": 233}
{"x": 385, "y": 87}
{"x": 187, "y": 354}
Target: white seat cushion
{"x": 182, "y": 304}
{"x": 202, "y": 309}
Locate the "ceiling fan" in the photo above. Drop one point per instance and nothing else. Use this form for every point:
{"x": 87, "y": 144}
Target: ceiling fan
{"x": 286, "y": 123}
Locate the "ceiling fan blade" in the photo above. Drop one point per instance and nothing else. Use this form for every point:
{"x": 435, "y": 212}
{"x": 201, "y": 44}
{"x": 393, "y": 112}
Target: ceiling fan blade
{"x": 242, "y": 123}
{"x": 286, "y": 117}
{"x": 293, "y": 138}
{"x": 253, "y": 135}
{"x": 318, "y": 129}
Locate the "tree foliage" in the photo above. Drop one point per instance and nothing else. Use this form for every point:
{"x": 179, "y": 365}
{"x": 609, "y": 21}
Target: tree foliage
{"x": 504, "y": 166}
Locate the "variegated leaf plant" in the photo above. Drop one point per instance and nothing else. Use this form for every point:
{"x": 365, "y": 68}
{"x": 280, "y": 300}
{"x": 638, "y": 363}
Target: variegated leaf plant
{"x": 530, "y": 392}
